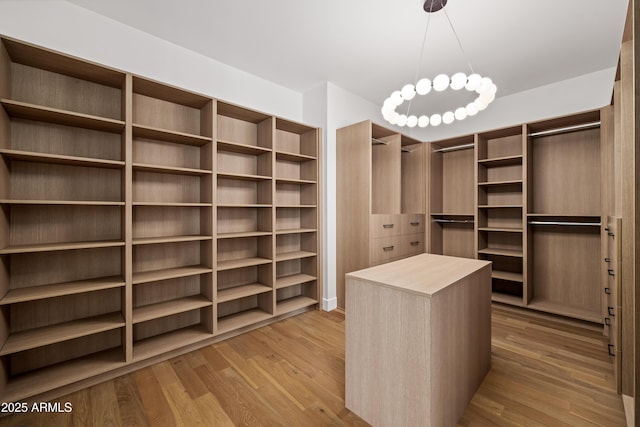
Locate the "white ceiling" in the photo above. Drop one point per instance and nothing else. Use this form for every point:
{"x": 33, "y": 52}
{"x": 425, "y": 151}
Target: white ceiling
{"x": 372, "y": 47}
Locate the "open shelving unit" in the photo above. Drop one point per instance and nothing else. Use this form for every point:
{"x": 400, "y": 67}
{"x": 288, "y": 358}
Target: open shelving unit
{"x": 501, "y": 167}
{"x": 140, "y": 219}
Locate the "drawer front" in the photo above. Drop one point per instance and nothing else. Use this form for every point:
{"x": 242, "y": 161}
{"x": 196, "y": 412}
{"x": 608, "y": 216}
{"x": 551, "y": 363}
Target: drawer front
{"x": 412, "y": 224}
{"x": 385, "y": 225}
{"x": 385, "y": 249}
{"x": 413, "y": 244}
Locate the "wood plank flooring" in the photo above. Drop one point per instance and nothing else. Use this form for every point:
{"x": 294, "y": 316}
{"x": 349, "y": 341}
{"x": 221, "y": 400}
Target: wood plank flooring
{"x": 544, "y": 373}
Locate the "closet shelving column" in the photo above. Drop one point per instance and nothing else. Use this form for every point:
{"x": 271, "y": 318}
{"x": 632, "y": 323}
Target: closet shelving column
{"x": 61, "y": 235}
{"x": 172, "y": 218}
{"x": 452, "y": 197}
{"x": 245, "y": 219}
{"x": 297, "y": 216}
{"x": 501, "y": 237}
{"x": 564, "y": 216}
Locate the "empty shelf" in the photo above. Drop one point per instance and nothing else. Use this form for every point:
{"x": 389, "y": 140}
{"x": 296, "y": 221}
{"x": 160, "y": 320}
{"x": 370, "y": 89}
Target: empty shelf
{"x": 236, "y": 147}
{"x": 49, "y": 247}
{"x": 60, "y": 289}
{"x": 141, "y": 167}
{"x": 506, "y": 275}
{"x": 243, "y": 234}
{"x": 293, "y": 157}
{"x": 169, "y": 308}
{"x": 39, "y": 337}
{"x": 294, "y": 279}
{"x": 242, "y": 291}
{"x": 168, "y": 341}
{"x": 293, "y": 304}
{"x": 286, "y": 256}
{"x": 241, "y": 319}
{"x": 243, "y": 176}
{"x": 30, "y": 156}
{"x": 501, "y": 252}
{"x": 168, "y": 239}
{"x": 141, "y": 131}
{"x": 169, "y": 273}
{"x": 240, "y": 263}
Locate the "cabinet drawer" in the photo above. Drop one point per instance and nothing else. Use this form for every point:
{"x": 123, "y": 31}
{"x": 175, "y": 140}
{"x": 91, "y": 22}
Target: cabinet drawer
{"x": 412, "y": 224}
{"x": 385, "y": 249}
{"x": 412, "y": 244}
{"x": 385, "y": 225}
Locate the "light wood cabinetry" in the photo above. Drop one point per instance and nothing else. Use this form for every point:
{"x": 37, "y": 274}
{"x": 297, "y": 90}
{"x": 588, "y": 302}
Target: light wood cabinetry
{"x": 501, "y": 167}
{"x": 411, "y": 357}
{"x": 612, "y": 295}
{"x": 381, "y": 198}
{"x": 451, "y": 197}
{"x": 139, "y": 218}
{"x": 529, "y": 198}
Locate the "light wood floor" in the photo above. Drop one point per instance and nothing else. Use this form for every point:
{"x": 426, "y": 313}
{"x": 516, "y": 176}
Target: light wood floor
{"x": 292, "y": 374}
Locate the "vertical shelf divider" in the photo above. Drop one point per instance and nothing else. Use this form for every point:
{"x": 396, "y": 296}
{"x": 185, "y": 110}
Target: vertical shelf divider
{"x": 127, "y": 190}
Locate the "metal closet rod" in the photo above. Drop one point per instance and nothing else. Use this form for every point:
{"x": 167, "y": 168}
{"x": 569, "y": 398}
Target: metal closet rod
{"x": 455, "y": 148}
{"x": 590, "y": 224}
{"x": 381, "y": 142}
{"x": 455, "y": 221}
{"x": 566, "y": 129}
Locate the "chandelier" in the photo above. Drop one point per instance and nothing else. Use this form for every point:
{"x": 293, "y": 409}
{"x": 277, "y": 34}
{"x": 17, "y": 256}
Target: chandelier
{"x": 482, "y": 86}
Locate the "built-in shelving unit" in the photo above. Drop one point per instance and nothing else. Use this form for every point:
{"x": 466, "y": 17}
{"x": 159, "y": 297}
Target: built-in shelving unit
{"x": 140, "y": 218}
{"x": 382, "y": 196}
{"x": 501, "y": 165}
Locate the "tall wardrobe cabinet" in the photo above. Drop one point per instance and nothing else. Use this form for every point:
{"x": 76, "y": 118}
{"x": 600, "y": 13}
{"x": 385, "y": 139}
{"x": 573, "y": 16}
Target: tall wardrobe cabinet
{"x": 380, "y": 199}
{"x": 140, "y": 219}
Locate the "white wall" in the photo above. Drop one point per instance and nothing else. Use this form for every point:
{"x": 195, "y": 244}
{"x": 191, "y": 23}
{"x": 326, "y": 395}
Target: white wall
{"x": 71, "y": 29}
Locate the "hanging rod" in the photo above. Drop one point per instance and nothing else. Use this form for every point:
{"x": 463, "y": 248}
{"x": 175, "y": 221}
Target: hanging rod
{"x": 582, "y": 224}
{"x": 566, "y": 129}
{"x": 454, "y": 148}
{"x": 454, "y": 221}
{"x": 379, "y": 141}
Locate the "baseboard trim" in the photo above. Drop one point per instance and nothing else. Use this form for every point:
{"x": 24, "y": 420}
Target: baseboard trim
{"x": 629, "y": 406}
{"x": 329, "y": 304}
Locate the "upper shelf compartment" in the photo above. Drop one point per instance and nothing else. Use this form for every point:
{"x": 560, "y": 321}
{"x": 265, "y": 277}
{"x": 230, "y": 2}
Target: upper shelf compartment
{"x": 244, "y": 131}
{"x": 295, "y": 142}
{"x": 165, "y": 113}
{"x": 69, "y": 91}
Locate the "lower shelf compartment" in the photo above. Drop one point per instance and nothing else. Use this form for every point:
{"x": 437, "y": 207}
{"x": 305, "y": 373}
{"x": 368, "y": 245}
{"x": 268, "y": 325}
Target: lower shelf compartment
{"x": 507, "y": 299}
{"x": 293, "y": 304}
{"x": 564, "y": 310}
{"x": 52, "y": 377}
{"x": 242, "y": 291}
{"x": 168, "y": 341}
{"x": 241, "y": 319}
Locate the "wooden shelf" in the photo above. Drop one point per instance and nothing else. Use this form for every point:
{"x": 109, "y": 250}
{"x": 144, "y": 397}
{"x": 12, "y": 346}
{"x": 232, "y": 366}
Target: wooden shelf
{"x": 39, "y": 337}
{"x": 24, "y": 110}
{"x": 496, "y": 183}
{"x": 286, "y": 256}
{"x": 142, "y": 131}
{"x": 565, "y": 310}
{"x": 171, "y": 204}
{"x": 243, "y": 234}
{"x": 61, "y": 202}
{"x": 241, "y": 205}
{"x": 141, "y": 167}
{"x": 506, "y": 275}
{"x": 240, "y": 263}
{"x": 294, "y": 181}
{"x": 242, "y": 291}
{"x": 50, "y": 247}
{"x": 296, "y": 231}
{"x": 169, "y": 239}
{"x": 499, "y": 206}
{"x": 452, "y": 214}
{"x": 168, "y": 341}
{"x": 296, "y": 206}
{"x": 60, "y": 289}
{"x": 293, "y": 157}
{"x": 294, "y": 279}
{"x": 61, "y": 374}
{"x": 293, "y": 304}
{"x": 244, "y": 177}
{"x": 169, "y": 273}
{"x": 501, "y": 252}
{"x": 501, "y": 161}
{"x": 35, "y": 157}
{"x": 235, "y": 147}
{"x": 507, "y": 299}
{"x": 501, "y": 229}
{"x": 239, "y": 320}
{"x": 169, "y": 308}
